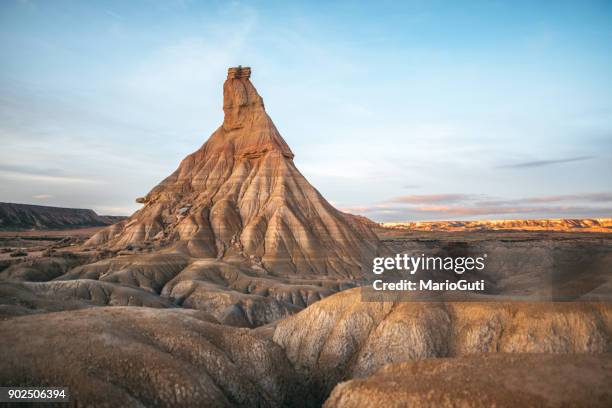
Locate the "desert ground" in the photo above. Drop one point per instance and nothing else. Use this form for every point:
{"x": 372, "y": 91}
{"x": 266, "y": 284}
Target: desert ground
{"x": 234, "y": 339}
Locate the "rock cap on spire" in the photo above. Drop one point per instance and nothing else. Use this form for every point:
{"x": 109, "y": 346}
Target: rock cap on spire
{"x": 238, "y": 72}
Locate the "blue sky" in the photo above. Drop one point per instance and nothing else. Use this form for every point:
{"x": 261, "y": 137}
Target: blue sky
{"x": 420, "y": 111}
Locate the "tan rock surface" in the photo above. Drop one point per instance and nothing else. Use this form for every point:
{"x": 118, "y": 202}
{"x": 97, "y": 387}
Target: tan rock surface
{"x": 148, "y": 271}
{"x": 237, "y": 296}
{"x": 134, "y": 357}
{"x": 341, "y": 337}
{"x": 496, "y": 380}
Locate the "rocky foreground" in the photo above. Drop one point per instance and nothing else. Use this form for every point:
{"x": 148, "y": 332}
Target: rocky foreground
{"x": 391, "y": 354}
{"x": 499, "y": 380}
{"x": 343, "y": 337}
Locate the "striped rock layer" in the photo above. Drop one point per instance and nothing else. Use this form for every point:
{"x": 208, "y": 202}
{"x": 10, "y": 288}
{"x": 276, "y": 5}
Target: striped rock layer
{"x": 241, "y": 195}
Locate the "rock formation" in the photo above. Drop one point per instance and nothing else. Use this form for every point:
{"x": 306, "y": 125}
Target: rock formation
{"x": 240, "y": 195}
{"x": 235, "y": 231}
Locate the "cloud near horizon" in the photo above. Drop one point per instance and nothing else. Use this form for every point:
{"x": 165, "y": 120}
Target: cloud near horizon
{"x": 585, "y": 198}
{"x": 430, "y": 198}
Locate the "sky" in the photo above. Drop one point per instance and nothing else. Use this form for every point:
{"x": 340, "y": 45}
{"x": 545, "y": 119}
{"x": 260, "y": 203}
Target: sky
{"x": 424, "y": 110}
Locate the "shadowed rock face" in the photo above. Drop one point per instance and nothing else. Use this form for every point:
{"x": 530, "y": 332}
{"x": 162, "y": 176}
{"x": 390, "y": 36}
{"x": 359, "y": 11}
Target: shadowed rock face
{"x": 502, "y": 380}
{"x": 341, "y": 337}
{"x": 145, "y": 357}
{"x": 19, "y": 298}
{"x": 241, "y": 195}
{"x": 42, "y": 269}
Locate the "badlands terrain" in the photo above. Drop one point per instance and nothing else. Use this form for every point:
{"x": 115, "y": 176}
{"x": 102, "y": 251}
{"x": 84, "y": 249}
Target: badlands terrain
{"x": 236, "y": 284}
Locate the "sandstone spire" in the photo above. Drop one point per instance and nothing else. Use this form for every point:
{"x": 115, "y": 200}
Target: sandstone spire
{"x": 240, "y": 196}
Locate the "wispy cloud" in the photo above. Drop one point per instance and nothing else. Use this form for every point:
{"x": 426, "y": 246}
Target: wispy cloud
{"x": 541, "y": 163}
{"x": 13, "y": 176}
{"x": 23, "y": 173}
{"x": 29, "y": 169}
{"x": 589, "y": 197}
{"x": 583, "y": 198}
{"x": 430, "y": 198}
{"x": 426, "y": 213}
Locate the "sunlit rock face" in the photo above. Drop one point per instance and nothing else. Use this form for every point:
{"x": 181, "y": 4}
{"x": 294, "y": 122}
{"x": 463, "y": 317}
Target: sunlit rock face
{"x": 496, "y": 380}
{"x": 240, "y": 195}
{"x": 342, "y": 337}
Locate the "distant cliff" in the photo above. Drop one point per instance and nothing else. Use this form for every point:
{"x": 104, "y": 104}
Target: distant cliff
{"x": 27, "y": 216}
{"x": 570, "y": 225}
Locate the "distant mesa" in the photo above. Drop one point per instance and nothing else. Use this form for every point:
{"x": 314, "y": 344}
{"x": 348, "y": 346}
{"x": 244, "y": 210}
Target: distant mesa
{"x": 16, "y": 217}
{"x": 561, "y": 225}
